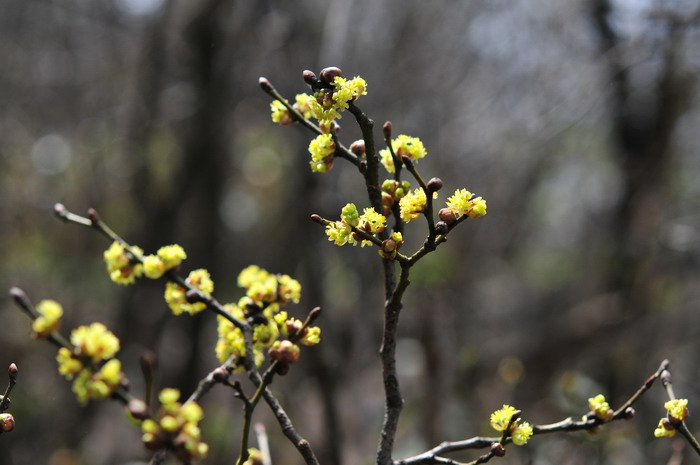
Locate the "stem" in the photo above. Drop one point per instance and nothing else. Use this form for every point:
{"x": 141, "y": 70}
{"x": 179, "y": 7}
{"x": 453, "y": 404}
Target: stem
{"x": 371, "y": 174}
{"x": 392, "y": 392}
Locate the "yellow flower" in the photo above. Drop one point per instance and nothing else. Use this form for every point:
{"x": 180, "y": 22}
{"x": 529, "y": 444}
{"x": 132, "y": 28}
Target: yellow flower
{"x": 68, "y": 365}
{"x": 288, "y": 289}
{"x": 664, "y": 429}
{"x": 305, "y": 103}
{"x": 280, "y": 114}
{"x": 338, "y": 232}
{"x": 121, "y": 266}
{"x": 312, "y": 336}
{"x": 403, "y": 146}
{"x": 462, "y": 203}
{"x": 521, "y": 433}
{"x": 600, "y": 407}
{"x": 49, "y": 320}
{"x": 176, "y": 296}
{"x": 250, "y": 275}
{"x": 501, "y": 418}
{"x": 153, "y": 266}
{"x": 322, "y": 149}
{"x": 677, "y": 409}
{"x": 95, "y": 341}
{"x": 413, "y": 204}
{"x": 371, "y": 221}
{"x": 171, "y": 255}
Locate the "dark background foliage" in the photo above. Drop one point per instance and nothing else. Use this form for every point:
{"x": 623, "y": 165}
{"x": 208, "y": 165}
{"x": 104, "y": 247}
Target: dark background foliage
{"x": 576, "y": 120}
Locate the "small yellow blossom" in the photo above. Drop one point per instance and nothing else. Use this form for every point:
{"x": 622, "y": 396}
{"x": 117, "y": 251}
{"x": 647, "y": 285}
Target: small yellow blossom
{"x": 677, "y": 409}
{"x": 49, "y": 319}
{"x": 521, "y": 433}
{"x": 175, "y": 427}
{"x": 371, "y": 221}
{"x": 176, "y": 296}
{"x": 312, "y": 336}
{"x": 403, "y": 146}
{"x": 251, "y": 274}
{"x": 280, "y": 114}
{"x": 68, "y": 365}
{"x": 338, "y": 232}
{"x": 600, "y": 407}
{"x": 304, "y": 103}
{"x": 462, "y": 203}
{"x": 664, "y": 429}
{"x": 172, "y": 256}
{"x": 288, "y": 289}
{"x": 501, "y": 417}
{"x": 413, "y": 204}
{"x": 94, "y": 341}
{"x": 321, "y": 149}
{"x": 121, "y": 266}
{"x": 153, "y": 266}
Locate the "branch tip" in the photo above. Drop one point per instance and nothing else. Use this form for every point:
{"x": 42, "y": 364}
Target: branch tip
{"x": 12, "y": 371}
{"x": 265, "y": 84}
{"x": 314, "y": 313}
{"x": 316, "y": 219}
{"x": 60, "y": 210}
{"x": 19, "y": 297}
{"x": 386, "y": 129}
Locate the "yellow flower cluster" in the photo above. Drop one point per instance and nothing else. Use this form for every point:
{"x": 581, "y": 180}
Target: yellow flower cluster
{"x": 123, "y": 268}
{"x": 176, "y": 427}
{"x": 265, "y": 293}
{"x": 176, "y": 296}
{"x": 92, "y": 345}
{"x": 413, "y": 204}
{"x": 321, "y": 149}
{"x": 341, "y": 233}
{"x": 677, "y": 409}
{"x": 392, "y": 192}
{"x": 519, "y": 432}
{"x": 600, "y": 407}
{"x": 463, "y": 203}
{"x": 280, "y": 114}
{"x": 49, "y": 320}
{"x": 330, "y": 103}
{"x": 411, "y": 147}
{"x": 167, "y": 257}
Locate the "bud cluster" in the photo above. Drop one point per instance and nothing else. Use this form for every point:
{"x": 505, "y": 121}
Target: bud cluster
{"x": 175, "y": 427}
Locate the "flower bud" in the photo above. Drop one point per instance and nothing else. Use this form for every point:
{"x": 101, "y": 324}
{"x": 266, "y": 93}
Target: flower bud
{"x": 497, "y": 449}
{"x": 358, "y": 148}
{"x": 220, "y": 375}
{"x": 137, "y": 409}
{"x": 7, "y": 422}
{"x": 447, "y": 215}
{"x": 265, "y": 84}
{"x": 441, "y": 227}
{"x": 386, "y": 129}
{"x": 330, "y": 73}
{"x": 629, "y": 413}
{"x": 4, "y": 403}
{"x": 316, "y": 218}
{"x": 309, "y": 77}
{"x": 434, "y": 185}
{"x": 12, "y": 371}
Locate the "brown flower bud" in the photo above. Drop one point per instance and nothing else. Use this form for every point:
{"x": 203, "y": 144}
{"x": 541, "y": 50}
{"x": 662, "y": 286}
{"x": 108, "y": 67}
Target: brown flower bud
{"x": 220, "y": 374}
{"x": 358, "y": 148}
{"x": 138, "y": 409}
{"x": 434, "y": 185}
{"x": 265, "y": 84}
{"x": 309, "y": 77}
{"x": 7, "y": 422}
{"x": 441, "y": 227}
{"x": 386, "y": 129}
{"x": 316, "y": 218}
{"x": 330, "y": 73}
{"x": 447, "y": 215}
{"x": 497, "y": 449}
{"x": 313, "y": 314}
{"x": 12, "y": 371}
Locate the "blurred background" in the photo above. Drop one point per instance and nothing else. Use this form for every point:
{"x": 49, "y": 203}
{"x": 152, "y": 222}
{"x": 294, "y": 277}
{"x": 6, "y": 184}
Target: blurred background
{"x": 577, "y": 121}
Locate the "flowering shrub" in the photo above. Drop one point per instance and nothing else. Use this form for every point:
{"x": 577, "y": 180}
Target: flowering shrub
{"x": 258, "y": 337}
